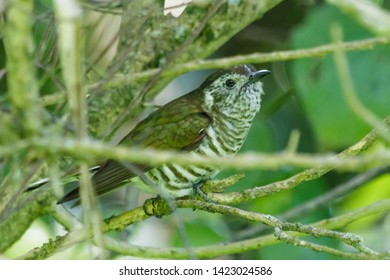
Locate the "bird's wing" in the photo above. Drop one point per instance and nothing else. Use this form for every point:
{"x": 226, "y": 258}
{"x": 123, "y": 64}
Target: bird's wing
{"x": 180, "y": 125}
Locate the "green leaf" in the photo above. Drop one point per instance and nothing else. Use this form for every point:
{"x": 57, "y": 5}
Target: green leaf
{"x": 317, "y": 85}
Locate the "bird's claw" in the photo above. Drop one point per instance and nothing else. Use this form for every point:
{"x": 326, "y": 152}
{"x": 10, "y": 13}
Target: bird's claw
{"x": 199, "y": 191}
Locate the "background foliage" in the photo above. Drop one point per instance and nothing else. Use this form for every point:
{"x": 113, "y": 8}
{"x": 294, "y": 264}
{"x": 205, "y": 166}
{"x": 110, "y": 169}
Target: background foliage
{"x": 303, "y": 111}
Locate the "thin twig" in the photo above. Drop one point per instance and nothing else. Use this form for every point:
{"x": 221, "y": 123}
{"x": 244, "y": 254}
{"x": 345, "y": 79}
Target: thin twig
{"x": 93, "y": 151}
{"x": 285, "y": 237}
{"x": 256, "y": 58}
{"x": 318, "y": 202}
{"x": 138, "y": 214}
{"x": 252, "y": 244}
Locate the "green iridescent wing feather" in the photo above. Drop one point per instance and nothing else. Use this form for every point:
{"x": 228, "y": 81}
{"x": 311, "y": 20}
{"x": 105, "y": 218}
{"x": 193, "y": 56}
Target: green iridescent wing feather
{"x": 179, "y": 125}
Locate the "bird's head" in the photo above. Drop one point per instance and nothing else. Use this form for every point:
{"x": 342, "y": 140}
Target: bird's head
{"x": 234, "y": 91}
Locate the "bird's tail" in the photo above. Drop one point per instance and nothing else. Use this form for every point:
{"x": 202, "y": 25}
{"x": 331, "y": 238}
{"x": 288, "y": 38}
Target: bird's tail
{"x": 69, "y": 182}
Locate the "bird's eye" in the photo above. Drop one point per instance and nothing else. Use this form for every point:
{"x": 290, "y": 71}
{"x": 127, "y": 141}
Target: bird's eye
{"x": 230, "y": 83}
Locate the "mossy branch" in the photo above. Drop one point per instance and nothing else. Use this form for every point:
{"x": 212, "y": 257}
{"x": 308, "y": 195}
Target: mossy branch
{"x": 93, "y": 151}
{"x": 121, "y": 80}
{"x": 323, "y": 228}
{"x": 321, "y": 201}
{"x": 254, "y": 243}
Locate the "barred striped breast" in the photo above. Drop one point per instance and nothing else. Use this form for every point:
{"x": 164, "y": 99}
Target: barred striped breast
{"x": 224, "y": 138}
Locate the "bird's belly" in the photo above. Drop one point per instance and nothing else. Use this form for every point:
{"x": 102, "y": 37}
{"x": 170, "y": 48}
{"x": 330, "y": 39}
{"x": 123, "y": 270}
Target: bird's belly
{"x": 176, "y": 181}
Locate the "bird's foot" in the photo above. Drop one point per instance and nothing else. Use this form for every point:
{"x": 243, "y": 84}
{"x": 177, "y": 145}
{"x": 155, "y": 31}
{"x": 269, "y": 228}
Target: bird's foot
{"x": 198, "y": 191}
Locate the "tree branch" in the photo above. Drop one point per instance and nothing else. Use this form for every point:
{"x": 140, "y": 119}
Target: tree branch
{"x": 324, "y": 199}
{"x": 121, "y": 80}
{"x": 322, "y": 228}
{"x": 92, "y": 151}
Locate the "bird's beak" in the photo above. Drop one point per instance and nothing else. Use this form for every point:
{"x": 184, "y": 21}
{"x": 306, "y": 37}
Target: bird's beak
{"x": 255, "y": 76}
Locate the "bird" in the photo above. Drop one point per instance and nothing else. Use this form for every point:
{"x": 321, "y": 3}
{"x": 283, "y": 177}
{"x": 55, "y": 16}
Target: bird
{"x": 212, "y": 120}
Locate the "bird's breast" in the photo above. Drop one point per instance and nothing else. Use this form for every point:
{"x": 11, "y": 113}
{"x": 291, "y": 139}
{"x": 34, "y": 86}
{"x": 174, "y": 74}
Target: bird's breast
{"x": 225, "y": 137}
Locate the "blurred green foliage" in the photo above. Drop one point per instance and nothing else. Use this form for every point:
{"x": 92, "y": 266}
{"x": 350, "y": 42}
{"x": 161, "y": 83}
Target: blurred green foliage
{"x": 301, "y": 95}
{"x": 317, "y": 84}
